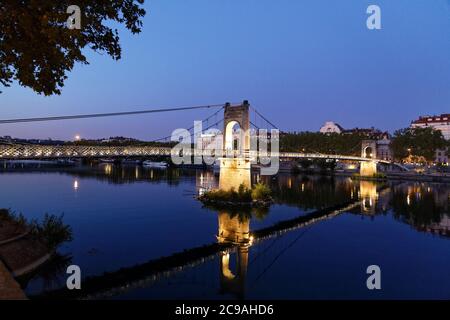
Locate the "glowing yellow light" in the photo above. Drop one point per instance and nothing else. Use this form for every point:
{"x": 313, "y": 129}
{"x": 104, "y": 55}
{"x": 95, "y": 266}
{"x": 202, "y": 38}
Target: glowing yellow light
{"x": 108, "y": 169}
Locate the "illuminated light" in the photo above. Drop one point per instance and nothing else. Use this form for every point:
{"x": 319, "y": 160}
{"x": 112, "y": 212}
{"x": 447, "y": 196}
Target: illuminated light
{"x": 408, "y": 200}
{"x": 108, "y": 169}
{"x": 77, "y": 137}
{"x": 75, "y": 185}
{"x": 303, "y": 187}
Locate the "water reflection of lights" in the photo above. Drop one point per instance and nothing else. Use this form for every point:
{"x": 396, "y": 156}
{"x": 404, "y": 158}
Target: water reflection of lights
{"x": 108, "y": 169}
{"x": 408, "y": 200}
{"x": 75, "y": 185}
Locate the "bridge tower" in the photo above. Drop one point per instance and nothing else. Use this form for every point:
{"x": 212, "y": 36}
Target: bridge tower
{"x": 236, "y": 230}
{"x": 369, "y": 151}
{"x": 235, "y": 165}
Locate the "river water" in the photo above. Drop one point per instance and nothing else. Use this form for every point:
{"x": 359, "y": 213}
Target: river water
{"x": 126, "y": 216}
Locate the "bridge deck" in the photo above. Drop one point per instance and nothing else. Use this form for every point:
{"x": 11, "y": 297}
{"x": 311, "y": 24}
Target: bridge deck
{"x": 23, "y": 152}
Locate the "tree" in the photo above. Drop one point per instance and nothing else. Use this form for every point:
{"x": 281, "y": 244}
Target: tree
{"x": 419, "y": 142}
{"x": 347, "y": 144}
{"x": 37, "y": 48}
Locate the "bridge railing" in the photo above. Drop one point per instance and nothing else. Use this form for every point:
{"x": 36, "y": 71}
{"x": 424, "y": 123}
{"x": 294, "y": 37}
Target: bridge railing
{"x": 15, "y": 151}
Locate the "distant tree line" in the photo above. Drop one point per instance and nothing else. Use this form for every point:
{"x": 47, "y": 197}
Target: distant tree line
{"x": 316, "y": 142}
{"x": 412, "y": 143}
{"x": 119, "y": 141}
{"x": 418, "y": 143}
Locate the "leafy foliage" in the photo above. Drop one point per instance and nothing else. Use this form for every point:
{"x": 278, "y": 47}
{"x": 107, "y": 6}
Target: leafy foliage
{"x": 37, "y": 49}
{"x": 259, "y": 192}
{"x": 52, "y": 230}
{"x": 346, "y": 144}
{"x": 19, "y": 219}
{"x": 417, "y": 142}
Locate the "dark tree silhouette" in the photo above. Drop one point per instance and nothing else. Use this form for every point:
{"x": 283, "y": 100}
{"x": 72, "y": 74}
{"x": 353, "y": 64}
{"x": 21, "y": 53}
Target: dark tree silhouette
{"x": 37, "y": 49}
{"x": 421, "y": 142}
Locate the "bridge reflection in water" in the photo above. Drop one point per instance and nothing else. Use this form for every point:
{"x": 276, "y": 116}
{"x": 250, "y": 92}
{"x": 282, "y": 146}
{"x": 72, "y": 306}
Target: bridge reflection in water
{"x": 235, "y": 271}
{"x": 234, "y": 227}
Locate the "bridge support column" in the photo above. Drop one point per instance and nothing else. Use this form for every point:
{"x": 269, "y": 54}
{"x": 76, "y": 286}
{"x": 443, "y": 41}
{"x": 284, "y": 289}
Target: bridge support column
{"x": 234, "y": 172}
{"x": 368, "y": 150}
{"x": 235, "y": 167}
{"x": 368, "y": 169}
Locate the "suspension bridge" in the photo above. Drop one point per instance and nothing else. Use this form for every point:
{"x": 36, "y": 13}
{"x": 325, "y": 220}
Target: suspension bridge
{"x": 225, "y": 119}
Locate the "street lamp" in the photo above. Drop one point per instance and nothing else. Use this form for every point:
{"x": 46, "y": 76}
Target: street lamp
{"x": 77, "y": 137}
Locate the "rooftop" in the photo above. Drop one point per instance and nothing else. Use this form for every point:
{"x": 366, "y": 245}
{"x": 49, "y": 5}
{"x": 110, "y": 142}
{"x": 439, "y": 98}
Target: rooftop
{"x": 433, "y": 119}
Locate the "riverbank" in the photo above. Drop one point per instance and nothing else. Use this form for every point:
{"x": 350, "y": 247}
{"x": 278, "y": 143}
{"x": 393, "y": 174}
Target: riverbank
{"x": 402, "y": 176}
{"x": 9, "y": 288}
{"x": 393, "y": 176}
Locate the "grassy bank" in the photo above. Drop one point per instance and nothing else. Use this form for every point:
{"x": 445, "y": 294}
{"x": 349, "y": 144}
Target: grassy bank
{"x": 259, "y": 194}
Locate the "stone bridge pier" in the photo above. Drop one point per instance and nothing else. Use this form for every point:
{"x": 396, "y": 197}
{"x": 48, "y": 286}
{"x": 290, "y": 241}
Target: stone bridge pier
{"x": 235, "y": 166}
{"x": 369, "y": 151}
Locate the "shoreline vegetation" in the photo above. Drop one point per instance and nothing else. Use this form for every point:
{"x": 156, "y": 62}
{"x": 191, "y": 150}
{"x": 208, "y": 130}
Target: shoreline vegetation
{"x": 51, "y": 230}
{"x": 257, "y": 196}
{"x": 27, "y": 244}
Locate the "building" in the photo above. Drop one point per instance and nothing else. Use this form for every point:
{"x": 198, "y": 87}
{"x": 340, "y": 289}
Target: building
{"x": 384, "y": 151}
{"x": 383, "y": 139}
{"x": 331, "y": 127}
{"x": 441, "y": 123}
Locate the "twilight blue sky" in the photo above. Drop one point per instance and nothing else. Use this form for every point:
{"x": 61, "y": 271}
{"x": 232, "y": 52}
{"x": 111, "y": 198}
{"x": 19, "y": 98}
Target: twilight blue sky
{"x": 300, "y": 62}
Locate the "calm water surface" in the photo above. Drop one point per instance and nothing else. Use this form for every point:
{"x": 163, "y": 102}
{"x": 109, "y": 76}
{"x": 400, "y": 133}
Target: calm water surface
{"x": 126, "y": 216}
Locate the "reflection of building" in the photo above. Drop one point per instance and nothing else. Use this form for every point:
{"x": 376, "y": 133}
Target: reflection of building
{"x": 441, "y": 228}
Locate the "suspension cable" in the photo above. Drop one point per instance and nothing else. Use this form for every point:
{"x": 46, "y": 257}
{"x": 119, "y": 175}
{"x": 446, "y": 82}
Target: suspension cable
{"x": 111, "y": 114}
{"x": 192, "y": 127}
{"x": 264, "y": 118}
